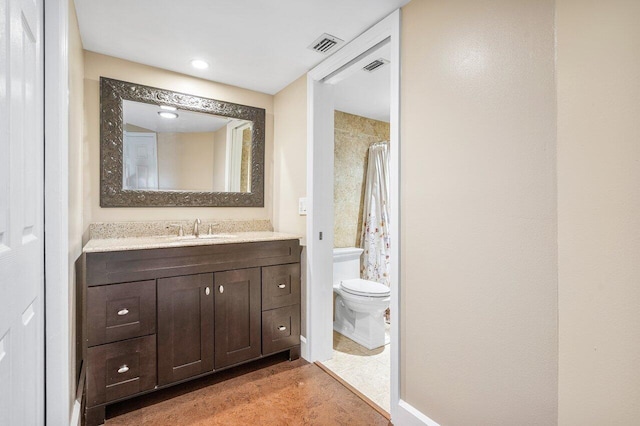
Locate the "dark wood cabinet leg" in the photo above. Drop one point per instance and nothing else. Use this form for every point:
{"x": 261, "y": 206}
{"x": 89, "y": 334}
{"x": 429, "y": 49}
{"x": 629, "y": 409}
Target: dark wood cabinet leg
{"x": 294, "y": 353}
{"x": 94, "y": 416}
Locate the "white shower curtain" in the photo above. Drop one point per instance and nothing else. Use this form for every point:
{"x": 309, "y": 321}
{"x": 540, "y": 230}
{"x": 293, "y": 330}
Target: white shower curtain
{"x": 375, "y": 237}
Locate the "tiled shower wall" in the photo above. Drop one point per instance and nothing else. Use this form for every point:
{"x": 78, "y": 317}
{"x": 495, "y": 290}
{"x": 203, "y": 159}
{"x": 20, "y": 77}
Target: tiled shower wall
{"x": 353, "y": 135}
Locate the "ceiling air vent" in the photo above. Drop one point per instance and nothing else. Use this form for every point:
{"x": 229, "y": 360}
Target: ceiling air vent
{"x": 375, "y": 65}
{"x": 326, "y": 44}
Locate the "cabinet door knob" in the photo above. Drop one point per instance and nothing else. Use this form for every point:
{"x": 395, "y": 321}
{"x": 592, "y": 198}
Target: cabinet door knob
{"x": 123, "y": 369}
{"x": 123, "y": 312}
{"x": 282, "y": 285}
{"x": 207, "y": 291}
{"x": 282, "y": 328}
{"x": 221, "y": 289}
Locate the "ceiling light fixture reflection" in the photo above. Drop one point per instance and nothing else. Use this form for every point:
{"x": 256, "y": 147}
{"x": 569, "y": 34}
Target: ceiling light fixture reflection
{"x": 165, "y": 114}
{"x": 168, "y": 108}
{"x": 199, "y": 64}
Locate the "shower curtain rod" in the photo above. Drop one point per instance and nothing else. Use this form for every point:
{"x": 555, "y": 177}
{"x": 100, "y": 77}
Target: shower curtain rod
{"x": 381, "y": 143}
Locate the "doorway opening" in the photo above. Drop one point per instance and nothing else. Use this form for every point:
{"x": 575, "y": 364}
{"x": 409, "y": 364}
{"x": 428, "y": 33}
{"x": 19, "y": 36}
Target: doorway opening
{"x": 353, "y": 119}
{"x": 361, "y": 239}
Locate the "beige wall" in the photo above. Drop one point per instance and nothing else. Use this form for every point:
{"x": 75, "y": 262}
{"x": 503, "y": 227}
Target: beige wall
{"x": 76, "y": 128}
{"x": 352, "y": 136}
{"x": 290, "y": 156}
{"x": 479, "y": 273}
{"x": 97, "y": 65}
{"x": 598, "y": 72}
{"x": 185, "y": 161}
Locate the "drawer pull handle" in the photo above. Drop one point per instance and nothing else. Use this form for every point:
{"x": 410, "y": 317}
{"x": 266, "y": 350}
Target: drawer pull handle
{"x": 123, "y": 369}
{"x": 123, "y": 312}
{"x": 221, "y": 289}
{"x": 282, "y": 328}
{"x": 282, "y": 285}
{"x": 207, "y": 291}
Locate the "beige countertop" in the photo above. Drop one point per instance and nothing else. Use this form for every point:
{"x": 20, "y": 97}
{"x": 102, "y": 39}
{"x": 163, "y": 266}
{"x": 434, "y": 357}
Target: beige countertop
{"x": 96, "y": 245}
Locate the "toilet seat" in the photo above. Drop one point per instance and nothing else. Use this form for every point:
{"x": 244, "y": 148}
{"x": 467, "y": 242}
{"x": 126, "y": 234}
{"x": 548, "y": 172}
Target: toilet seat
{"x": 360, "y": 287}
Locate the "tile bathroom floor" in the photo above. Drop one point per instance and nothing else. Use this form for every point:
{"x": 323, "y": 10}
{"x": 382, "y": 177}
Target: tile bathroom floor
{"x": 271, "y": 391}
{"x": 369, "y": 371}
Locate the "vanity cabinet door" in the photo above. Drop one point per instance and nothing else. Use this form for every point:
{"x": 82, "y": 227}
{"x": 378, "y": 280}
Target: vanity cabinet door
{"x": 237, "y": 313}
{"x": 185, "y": 327}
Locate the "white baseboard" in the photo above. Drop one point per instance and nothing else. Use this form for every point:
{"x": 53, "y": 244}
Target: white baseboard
{"x": 304, "y": 349}
{"x": 407, "y": 415}
{"x": 76, "y": 415}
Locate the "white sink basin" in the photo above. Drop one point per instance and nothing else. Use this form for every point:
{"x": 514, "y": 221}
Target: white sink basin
{"x": 216, "y": 236}
{"x": 206, "y": 237}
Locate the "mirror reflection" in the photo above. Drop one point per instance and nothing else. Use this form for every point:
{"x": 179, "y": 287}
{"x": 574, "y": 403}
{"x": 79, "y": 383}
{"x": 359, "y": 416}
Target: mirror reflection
{"x": 169, "y": 149}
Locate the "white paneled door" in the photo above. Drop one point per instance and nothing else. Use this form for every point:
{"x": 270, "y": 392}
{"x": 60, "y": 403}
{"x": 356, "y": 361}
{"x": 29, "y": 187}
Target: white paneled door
{"x": 21, "y": 214}
{"x": 140, "y": 161}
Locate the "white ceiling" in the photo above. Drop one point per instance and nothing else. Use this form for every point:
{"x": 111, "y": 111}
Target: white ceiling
{"x": 256, "y": 44}
{"x": 364, "y": 93}
{"x": 146, "y": 116}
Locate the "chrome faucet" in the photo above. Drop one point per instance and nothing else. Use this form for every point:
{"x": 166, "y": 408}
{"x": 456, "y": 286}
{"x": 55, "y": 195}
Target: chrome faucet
{"x": 196, "y": 231}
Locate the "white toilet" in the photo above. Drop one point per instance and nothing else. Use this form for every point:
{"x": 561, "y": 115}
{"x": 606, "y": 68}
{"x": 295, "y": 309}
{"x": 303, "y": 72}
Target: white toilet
{"x": 360, "y": 304}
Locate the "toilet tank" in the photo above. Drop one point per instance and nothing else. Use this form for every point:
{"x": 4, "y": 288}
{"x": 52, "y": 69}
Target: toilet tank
{"x": 346, "y": 263}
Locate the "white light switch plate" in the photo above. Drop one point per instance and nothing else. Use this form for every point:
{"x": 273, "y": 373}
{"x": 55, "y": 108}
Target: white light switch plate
{"x": 302, "y": 206}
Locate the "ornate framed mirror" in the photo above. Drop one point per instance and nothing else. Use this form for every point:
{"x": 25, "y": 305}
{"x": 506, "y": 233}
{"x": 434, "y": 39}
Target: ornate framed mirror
{"x": 160, "y": 148}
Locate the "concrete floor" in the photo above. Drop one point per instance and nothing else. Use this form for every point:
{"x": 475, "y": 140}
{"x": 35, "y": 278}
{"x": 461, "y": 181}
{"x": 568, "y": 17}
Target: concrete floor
{"x": 272, "y": 391}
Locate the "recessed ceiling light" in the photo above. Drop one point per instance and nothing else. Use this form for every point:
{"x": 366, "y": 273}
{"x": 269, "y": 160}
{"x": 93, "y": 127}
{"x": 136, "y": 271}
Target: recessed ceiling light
{"x": 165, "y": 114}
{"x": 199, "y": 64}
{"x": 168, "y": 108}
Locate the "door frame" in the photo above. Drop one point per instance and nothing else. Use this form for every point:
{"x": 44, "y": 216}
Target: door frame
{"x": 320, "y": 146}
{"x": 58, "y": 308}
{"x": 232, "y": 165}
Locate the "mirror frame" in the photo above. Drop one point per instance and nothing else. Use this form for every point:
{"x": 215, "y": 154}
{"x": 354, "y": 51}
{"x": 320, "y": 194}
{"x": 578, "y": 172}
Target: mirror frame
{"x": 112, "y": 193}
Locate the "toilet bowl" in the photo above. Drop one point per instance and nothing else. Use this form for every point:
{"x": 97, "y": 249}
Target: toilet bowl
{"x": 360, "y": 304}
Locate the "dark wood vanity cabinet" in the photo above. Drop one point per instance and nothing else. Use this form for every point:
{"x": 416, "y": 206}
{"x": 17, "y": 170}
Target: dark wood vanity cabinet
{"x": 157, "y": 317}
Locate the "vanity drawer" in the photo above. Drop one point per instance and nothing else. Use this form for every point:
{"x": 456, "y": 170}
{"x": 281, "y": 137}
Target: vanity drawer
{"x": 280, "y": 286}
{"x": 121, "y": 311}
{"x": 120, "y": 369}
{"x": 280, "y": 329}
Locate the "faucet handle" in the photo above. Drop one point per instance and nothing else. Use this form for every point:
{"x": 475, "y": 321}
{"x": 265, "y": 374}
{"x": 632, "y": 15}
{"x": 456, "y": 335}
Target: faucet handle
{"x": 211, "y": 225}
{"x": 180, "y": 229}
